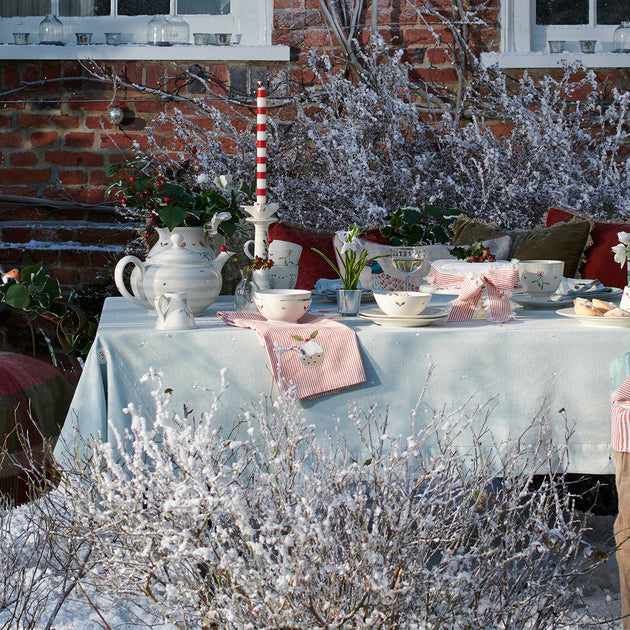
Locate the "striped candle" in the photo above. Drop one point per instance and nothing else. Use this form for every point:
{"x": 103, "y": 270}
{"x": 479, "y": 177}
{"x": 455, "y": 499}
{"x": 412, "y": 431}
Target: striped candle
{"x": 261, "y": 144}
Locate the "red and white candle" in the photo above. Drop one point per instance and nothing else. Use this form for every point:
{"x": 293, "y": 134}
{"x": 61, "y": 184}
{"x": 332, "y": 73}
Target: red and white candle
{"x": 261, "y": 144}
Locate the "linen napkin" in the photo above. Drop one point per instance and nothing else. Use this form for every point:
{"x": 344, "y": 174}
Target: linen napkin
{"x": 578, "y": 286}
{"x": 317, "y": 355}
{"x": 620, "y": 433}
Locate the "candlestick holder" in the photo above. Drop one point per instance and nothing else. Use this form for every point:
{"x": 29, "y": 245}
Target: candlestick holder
{"x": 261, "y": 217}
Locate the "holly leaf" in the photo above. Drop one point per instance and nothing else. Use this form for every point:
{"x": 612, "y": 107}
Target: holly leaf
{"x": 297, "y": 337}
{"x": 314, "y": 334}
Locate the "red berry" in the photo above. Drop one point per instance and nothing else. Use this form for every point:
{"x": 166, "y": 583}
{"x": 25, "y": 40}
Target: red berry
{"x": 269, "y": 239}
{"x": 166, "y": 199}
{"x": 223, "y": 248}
{"x": 132, "y": 178}
{"x": 159, "y": 184}
{"x": 123, "y": 201}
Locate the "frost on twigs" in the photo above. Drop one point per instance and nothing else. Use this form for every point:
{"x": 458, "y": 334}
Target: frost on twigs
{"x": 267, "y": 526}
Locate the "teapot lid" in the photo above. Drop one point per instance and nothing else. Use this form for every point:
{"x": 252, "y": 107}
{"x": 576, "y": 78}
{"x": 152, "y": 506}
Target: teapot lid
{"x": 178, "y": 253}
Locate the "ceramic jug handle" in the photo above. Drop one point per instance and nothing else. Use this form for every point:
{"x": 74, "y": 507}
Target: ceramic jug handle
{"x": 247, "y": 247}
{"x": 120, "y": 282}
{"x": 161, "y": 304}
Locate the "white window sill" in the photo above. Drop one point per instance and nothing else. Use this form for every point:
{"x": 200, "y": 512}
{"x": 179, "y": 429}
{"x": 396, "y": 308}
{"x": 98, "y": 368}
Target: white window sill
{"x": 139, "y": 52}
{"x": 548, "y": 60}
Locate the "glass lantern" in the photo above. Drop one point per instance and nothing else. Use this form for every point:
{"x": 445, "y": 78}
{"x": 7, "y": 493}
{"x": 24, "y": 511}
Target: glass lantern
{"x": 180, "y": 31}
{"x": 621, "y": 38}
{"x": 51, "y": 30}
{"x": 159, "y": 31}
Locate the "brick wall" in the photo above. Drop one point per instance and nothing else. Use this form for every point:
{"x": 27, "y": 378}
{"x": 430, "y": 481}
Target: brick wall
{"x": 56, "y": 143}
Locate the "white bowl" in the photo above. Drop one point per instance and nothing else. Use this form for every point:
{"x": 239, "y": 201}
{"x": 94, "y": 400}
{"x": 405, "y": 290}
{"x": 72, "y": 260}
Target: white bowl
{"x": 540, "y": 278}
{"x": 282, "y": 305}
{"x": 402, "y": 303}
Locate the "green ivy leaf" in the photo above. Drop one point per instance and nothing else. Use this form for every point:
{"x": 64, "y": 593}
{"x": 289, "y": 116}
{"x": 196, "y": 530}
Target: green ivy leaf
{"x": 18, "y": 296}
{"x": 28, "y": 272}
{"x": 173, "y": 216}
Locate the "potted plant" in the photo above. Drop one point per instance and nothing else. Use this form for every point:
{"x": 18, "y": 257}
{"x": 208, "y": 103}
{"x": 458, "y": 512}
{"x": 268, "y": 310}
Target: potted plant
{"x": 353, "y": 257}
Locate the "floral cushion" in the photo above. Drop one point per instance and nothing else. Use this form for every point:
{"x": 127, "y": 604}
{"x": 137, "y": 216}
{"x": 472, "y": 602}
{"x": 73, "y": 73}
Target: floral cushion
{"x": 598, "y": 256}
{"x": 564, "y": 242}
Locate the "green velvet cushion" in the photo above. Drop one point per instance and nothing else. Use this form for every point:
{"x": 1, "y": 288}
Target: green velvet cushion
{"x": 560, "y": 242}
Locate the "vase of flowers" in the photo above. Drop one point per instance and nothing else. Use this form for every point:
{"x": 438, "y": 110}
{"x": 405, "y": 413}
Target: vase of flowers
{"x": 622, "y": 254}
{"x": 168, "y": 198}
{"x": 353, "y": 258}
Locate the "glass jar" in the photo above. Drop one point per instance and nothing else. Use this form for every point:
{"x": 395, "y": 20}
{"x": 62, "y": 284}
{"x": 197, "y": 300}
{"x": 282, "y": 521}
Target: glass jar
{"x": 51, "y": 30}
{"x": 244, "y": 292}
{"x": 180, "y": 31}
{"x": 159, "y": 31}
{"x": 621, "y": 38}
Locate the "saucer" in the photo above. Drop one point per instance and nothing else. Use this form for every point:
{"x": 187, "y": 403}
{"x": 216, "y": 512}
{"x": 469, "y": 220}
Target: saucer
{"x": 428, "y": 316}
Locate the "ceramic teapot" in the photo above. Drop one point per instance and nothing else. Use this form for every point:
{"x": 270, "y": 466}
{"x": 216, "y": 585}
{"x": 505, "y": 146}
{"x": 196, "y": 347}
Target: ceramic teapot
{"x": 173, "y": 270}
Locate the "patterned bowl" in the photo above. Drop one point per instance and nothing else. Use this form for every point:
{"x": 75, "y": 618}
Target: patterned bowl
{"x": 402, "y": 303}
{"x": 282, "y": 305}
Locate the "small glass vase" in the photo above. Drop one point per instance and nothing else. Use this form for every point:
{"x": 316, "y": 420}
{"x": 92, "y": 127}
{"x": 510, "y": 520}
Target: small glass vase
{"x": 244, "y": 292}
{"x": 348, "y": 301}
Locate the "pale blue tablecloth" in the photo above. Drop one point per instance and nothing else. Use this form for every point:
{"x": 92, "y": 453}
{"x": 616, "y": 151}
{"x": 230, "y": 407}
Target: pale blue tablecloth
{"x": 539, "y": 360}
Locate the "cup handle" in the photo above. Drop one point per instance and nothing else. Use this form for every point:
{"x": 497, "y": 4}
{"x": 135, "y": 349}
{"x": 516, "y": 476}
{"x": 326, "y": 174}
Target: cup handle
{"x": 247, "y": 247}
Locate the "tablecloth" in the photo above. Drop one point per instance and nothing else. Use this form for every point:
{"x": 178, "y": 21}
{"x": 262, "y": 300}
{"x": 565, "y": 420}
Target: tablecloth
{"x": 539, "y": 360}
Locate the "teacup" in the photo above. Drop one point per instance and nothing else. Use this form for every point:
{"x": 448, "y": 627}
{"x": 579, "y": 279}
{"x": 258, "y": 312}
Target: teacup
{"x": 20, "y": 39}
{"x": 84, "y": 39}
{"x": 540, "y": 278}
{"x": 284, "y": 253}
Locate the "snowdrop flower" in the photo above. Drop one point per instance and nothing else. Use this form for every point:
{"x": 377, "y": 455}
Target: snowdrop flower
{"x": 223, "y": 181}
{"x": 202, "y": 178}
{"x": 216, "y": 220}
{"x": 624, "y": 237}
{"x": 350, "y": 240}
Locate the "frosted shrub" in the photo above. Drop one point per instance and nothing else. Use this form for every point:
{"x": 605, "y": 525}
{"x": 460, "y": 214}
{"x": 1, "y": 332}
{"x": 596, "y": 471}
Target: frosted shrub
{"x": 265, "y": 526}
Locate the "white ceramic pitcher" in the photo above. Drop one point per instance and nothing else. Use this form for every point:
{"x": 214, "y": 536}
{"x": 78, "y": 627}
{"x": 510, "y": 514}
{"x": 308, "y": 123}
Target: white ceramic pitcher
{"x": 173, "y": 312}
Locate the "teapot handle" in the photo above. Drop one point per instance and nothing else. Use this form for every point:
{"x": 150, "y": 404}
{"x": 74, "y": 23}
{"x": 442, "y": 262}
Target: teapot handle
{"x": 247, "y": 248}
{"x": 138, "y": 300}
{"x": 161, "y": 304}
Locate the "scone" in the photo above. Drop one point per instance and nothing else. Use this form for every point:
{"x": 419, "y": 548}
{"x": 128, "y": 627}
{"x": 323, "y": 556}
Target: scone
{"x": 603, "y": 306}
{"x": 582, "y": 306}
{"x": 617, "y": 312}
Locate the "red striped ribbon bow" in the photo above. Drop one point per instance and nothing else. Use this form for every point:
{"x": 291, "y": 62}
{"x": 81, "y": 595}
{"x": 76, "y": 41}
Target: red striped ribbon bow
{"x": 497, "y": 283}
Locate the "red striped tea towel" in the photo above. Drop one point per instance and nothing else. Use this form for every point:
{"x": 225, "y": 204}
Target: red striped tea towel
{"x": 317, "y": 355}
{"x": 620, "y": 433}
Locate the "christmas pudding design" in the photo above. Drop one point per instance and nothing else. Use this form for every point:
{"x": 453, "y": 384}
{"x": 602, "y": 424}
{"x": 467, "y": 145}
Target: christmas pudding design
{"x": 309, "y": 352}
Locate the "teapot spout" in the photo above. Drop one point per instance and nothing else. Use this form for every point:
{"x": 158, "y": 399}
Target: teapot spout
{"x": 221, "y": 259}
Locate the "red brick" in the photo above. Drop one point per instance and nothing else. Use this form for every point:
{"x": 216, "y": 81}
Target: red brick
{"x": 23, "y": 158}
{"x": 32, "y": 120}
{"x": 73, "y": 178}
{"x": 10, "y": 75}
{"x": 288, "y": 4}
{"x": 66, "y": 276}
{"x": 52, "y": 233}
{"x": 26, "y": 175}
{"x": 16, "y": 234}
{"x": 74, "y": 158}
{"x": 30, "y": 73}
{"x": 10, "y": 255}
{"x": 79, "y": 139}
{"x": 98, "y": 177}
{"x": 104, "y": 258}
{"x": 44, "y": 138}
{"x": 67, "y": 121}
{"x": 49, "y": 256}
{"x": 11, "y": 139}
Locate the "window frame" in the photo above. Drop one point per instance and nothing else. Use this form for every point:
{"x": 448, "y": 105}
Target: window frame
{"x": 523, "y": 43}
{"x": 253, "y": 19}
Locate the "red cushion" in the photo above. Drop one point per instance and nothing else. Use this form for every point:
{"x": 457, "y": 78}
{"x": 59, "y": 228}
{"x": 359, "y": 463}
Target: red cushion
{"x": 599, "y": 261}
{"x": 312, "y": 266}
{"x": 34, "y": 399}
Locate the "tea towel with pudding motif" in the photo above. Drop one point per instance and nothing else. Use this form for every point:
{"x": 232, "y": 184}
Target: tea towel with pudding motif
{"x": 316, "y": 355}
{"x": 484, "y": 288}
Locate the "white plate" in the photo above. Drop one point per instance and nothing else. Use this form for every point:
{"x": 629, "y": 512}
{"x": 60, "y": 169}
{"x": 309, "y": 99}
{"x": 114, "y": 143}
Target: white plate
{"x": 428, "y": 316}
{"x": 527, "y": 301}
{"x": 610, "y": 322}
